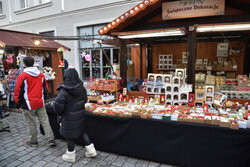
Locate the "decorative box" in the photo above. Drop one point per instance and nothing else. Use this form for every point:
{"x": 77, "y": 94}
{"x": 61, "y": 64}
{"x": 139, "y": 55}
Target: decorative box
{"x": 166, "y": 117}
{"x": 169, "y": 97}
{"x": 156, "y": 116}
{"x": 176, "y": 80}
{"x": 168, "y": 78}
{"x": 234, "y": 125}
{"x": 199, "y": 95}
{"x": 242, "y": 124}
{"x": 184, "y": 96}
{"x": 181, "y": 73}
{"x": 150, "y": 89}
{"x": 175, "y": 88}
{"x": 168, "y": 88}
{"x": 176, "y": 97}
{"x": 209, "y": 90}
{"x": 159, "y": 79}
{"x": 151, "y": 79}
{"x": 174, "y": 117}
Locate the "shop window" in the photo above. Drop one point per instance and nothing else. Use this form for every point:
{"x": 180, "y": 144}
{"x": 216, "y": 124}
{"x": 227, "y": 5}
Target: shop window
{"x": 1, "y": 8}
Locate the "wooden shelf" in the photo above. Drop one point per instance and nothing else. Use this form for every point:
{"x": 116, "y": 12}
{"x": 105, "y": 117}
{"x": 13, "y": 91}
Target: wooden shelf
{"x": 241, "y": 101}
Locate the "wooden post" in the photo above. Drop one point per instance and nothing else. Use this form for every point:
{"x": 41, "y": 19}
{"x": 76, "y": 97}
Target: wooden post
{"x": 149, "y": 58}
{"x": 123, "y": 61}
{"x": 141, "y": 72}
{"x": 192, "y": 53}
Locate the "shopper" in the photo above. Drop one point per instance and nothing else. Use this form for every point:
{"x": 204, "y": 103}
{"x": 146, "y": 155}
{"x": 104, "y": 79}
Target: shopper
{"x": 30, "y": 94}
{"x": 70, "y": 105}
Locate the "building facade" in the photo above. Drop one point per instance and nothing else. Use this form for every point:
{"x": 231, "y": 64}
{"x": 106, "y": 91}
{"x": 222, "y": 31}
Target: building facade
{"x": 68, "y": 18}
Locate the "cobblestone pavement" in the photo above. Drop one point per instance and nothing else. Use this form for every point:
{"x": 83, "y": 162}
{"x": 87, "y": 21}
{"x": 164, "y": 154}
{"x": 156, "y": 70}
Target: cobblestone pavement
{"x": 15, "y": 152}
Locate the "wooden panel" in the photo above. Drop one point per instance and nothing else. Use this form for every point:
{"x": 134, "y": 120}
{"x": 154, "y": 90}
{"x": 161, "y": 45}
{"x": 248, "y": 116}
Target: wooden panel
{"x": 58, "y": 71}
{"x": 175, "y": 49}
{"x": 205, "y": 50}
{"x": 135, "y": 54}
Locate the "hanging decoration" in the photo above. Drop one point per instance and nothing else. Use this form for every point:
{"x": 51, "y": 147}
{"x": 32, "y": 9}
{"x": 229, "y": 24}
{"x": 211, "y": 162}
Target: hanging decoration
{"x": 60, "y": 57}
{"x": 86, "y": 55}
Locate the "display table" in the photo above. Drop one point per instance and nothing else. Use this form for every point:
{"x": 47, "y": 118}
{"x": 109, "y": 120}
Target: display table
{"x": 177, "y": 143}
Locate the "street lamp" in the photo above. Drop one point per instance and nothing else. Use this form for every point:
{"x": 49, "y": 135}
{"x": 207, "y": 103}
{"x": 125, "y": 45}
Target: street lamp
{"x": 37, "y": 42}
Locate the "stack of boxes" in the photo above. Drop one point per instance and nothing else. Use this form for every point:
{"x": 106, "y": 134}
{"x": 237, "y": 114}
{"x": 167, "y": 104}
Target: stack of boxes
{"x": 209, "y": 94}
{"x": 174, "y": 88}
{"x": 165, "y": 62}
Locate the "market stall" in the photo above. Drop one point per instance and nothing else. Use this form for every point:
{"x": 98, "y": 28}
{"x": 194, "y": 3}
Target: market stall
{"x": 16, "y": 45}
{"x": 193, "y": 107}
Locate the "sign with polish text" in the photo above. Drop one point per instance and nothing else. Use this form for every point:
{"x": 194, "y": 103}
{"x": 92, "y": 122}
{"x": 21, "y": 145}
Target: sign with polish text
{"x": 192, "y": 8}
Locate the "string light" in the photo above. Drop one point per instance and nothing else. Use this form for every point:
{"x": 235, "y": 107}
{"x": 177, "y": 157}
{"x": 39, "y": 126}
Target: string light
{"x": 117, "y": 20}
{"x": 127, "y": 15}
{"x": 109, "y": 25}
{"x": 122, "y": 17}
{"x": 131, "y": 11}
{"x": 105, "y": 28}
{"x": 101, "y": 31}
{"x": 146, "y": 2}
{"x": 141, "y": 5}
{"x": 113, "y": 23}
{"x": 136, "y": 8}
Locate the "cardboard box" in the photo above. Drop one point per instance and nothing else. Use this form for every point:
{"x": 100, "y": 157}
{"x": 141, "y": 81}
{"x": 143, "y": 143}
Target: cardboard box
{"x": 234, "y": 126}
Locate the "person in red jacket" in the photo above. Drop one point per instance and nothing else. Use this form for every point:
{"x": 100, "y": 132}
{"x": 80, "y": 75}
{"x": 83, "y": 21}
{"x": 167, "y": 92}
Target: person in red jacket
{"x": 30, "y": 94}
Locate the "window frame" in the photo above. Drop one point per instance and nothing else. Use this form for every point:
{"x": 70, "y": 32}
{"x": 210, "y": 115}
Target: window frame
{"x": 1, "y": 8}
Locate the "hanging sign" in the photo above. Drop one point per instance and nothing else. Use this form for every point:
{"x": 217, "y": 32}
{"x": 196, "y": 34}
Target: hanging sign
{"x": 194, "y": 8}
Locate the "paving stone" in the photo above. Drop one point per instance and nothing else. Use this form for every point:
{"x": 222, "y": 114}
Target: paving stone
{"x": 119, "y": 161}
{"x": 58, "y": 160}
{"x": 20, "y": 148}
{"x": 39, "y": 164}
{"x": 52, "y": 164}
{"x": 25, "y": 158}
{"x": 49, "y": 158}
{"x": 65, "y": 164}
{"x": 4, "y": 162}
{"x": 128, "y": 164}
{"x": 36, "y": 158}
{"x": 26, "y": 164}
{"x": 15, "y": 163}
{"x": 153, "y": 164}
{"x": 142, "y": 163}
{"x": 35, "y": 152}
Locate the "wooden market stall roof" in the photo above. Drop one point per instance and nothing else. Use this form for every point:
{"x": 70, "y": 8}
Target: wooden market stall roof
{"x": 147, "y": 15}
{"x": 26, "y": 40}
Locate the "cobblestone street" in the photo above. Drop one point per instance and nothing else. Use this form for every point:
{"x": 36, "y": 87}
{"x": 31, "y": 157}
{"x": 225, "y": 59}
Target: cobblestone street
{"x": 15, "y": 152}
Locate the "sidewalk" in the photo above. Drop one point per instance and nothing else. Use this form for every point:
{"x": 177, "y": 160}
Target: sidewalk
{"x": 15, "y": 152}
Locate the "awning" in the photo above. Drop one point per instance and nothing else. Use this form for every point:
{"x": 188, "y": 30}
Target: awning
{"x": 25, "y": 40}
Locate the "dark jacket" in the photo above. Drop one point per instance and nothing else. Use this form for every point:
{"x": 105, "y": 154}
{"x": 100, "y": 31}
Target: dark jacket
{"x": 70, "y": 104}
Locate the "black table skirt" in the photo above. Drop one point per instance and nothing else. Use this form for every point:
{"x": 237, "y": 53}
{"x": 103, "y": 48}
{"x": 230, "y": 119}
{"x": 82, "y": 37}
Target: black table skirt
{"x": 177, "y": 143}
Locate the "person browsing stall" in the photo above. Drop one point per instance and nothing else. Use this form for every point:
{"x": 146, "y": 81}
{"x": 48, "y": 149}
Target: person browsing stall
{"x": 69, "y": 105}
{"x": 30, "y": 94}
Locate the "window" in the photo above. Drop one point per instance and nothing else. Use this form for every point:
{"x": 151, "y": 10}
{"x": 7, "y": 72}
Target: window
{"x": 24, "y": 4}
{"x": 48, "y": 33}
{"x": 1, "y": 8}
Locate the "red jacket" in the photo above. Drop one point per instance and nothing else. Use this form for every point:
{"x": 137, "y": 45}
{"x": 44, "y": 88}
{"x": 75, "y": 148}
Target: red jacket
{"x": 31, "y": 89}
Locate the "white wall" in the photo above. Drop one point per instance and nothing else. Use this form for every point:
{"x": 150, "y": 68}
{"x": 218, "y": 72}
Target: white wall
{"x": 66, "y": 24}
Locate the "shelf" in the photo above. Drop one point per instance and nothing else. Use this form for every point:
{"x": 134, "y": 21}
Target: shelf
{"x": 217, "y": 70}
{"x": 200, "y": 70}
{"x": 105, "y": 90}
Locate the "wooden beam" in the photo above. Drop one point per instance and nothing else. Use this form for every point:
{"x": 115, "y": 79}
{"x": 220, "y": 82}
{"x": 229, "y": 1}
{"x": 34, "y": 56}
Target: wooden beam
{"x": 192, "y": 54}
{"x": 123, "y": 61}
{"x": 149, "y": 58}
{"x": 141, "y": 73}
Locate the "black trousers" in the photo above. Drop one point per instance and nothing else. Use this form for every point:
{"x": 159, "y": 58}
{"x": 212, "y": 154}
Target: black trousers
{"x": 71, "y": 142}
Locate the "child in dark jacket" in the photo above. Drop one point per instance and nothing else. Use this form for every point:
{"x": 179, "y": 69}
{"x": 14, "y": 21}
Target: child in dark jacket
{"x": 70, "y": 105}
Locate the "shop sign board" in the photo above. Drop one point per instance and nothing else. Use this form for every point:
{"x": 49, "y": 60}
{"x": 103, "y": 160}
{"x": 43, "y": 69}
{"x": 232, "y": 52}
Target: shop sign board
{"x": 195, "y": 8}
